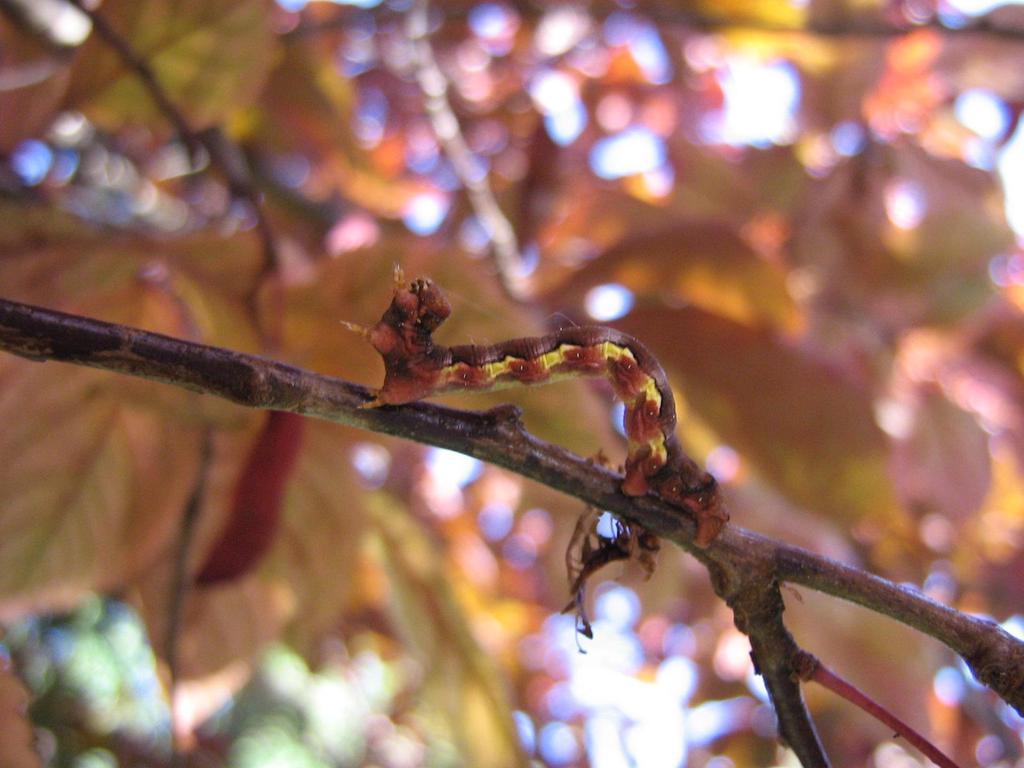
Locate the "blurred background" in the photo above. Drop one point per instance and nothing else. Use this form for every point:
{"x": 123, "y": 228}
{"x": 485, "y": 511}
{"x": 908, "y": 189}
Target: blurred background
{"x": 810, "y": 211}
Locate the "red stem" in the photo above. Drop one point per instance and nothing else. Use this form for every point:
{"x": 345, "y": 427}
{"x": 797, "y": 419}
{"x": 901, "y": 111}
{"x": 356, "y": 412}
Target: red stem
{"x": 826, "y": 677}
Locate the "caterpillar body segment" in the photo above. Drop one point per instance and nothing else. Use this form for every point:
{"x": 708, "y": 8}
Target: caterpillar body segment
{"x": 417, "y": 367}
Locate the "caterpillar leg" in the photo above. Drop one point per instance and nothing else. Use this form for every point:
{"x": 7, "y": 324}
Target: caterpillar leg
{"x": 364, "y": 333}
{"x": 360, "y": 330}
{"x": 711, "y": 518}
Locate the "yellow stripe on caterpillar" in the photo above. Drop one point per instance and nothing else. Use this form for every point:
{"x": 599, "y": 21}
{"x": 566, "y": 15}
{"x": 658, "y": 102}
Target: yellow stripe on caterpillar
{"x": 656, "y": 447}
{"x": 656, "y": 462}
{"x": 496, "y": 369}
{"x": 550, "y": 359}
{"x": 613, "y": 352}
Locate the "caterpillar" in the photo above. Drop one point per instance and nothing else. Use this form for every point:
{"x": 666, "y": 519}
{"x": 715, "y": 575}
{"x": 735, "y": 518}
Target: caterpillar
{"x": 417, "y": 367}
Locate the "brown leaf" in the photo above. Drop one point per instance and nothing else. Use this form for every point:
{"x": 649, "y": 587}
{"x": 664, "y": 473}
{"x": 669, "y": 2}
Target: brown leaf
{"x": 902, "y": 235}
{"x": 317, "y": 558}
{"x": 943, "y": 465}
{"x": 31, "y": 226}
{"x": 97, "y": 467}
{"x": 706, "y": 264}
{"x": 807, "y": 427}
{"x": 209, "y": 56}
{"x": 903, "y": 660}
{"x": 714, "y": 193}
{"x": 989, "y": 555}
{"x": 209, "y": 641}
{"x": 222, "y": 627}
{"x": 195, "y": 286}
{"x": 753, "y": 12}
{"x": 308, "y": 103}
{"x": 303, "y": 585}
{"x": 90, "y": 485}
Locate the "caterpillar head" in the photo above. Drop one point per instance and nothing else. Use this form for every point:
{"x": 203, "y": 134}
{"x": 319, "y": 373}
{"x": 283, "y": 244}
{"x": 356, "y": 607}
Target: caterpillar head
{"x": 426, "y": 304}
{"x": 402, "y": 338}
{"x": 703, "y": 500}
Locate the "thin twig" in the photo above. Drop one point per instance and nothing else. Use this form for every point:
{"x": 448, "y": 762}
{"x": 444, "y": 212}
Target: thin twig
{"x": 224, "y": 155}
{"x": 180, "y": 579}
{"x": 434, "y": 86}
{"x": 810, "y": 668}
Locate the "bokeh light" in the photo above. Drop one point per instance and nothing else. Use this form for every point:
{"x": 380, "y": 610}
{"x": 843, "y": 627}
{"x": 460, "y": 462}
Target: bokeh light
{"x": 634, "y": 150}
{"x": 608, "y": 302}
{"x": 761, "y": 101}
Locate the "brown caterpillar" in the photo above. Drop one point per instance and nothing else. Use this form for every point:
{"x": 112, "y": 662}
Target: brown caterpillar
{"x": 416, "y": 367}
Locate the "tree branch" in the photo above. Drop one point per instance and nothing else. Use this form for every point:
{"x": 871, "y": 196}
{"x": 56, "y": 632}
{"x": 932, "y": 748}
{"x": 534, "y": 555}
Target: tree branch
{"x": 994, "y": 655}
{"x": 757, "y": 608}
{"x": 746, "y": 568}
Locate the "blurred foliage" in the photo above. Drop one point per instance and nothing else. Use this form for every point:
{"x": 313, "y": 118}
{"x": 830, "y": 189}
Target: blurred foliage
{"x": 810, "y": 211}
